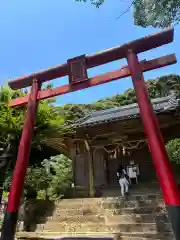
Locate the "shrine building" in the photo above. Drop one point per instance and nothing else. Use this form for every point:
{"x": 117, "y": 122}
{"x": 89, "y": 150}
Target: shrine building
{"x": 104, "y": 139}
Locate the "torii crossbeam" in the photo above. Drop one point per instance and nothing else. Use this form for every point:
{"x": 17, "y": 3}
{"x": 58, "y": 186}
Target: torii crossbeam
{"x": 76, "y": 69}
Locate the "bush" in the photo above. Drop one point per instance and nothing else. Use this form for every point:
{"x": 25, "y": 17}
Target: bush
{"x": 37, "y": 179}
{"x": 62, "y": 177}
{"x": 173, "y": 149}
{"x": 51, "y": 180}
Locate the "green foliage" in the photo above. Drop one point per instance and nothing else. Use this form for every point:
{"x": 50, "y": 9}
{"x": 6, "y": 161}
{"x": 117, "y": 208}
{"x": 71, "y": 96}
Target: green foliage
{"x": 74, "y": 112}
{"x": 97, "y": 3}
{"x": 155, "y": 13}
{"x": 37, "y": 179}
{"x": 50, "y": 123}
{"x": 173, "y": 149}
{"x": 62, "y": 177}
{"x": 10, "y": 119}
{"x": 7, "y": 182}
{"x": 53, "y": 179}
{"x": 159, "y": 87}
{"x": 161, "y": 13}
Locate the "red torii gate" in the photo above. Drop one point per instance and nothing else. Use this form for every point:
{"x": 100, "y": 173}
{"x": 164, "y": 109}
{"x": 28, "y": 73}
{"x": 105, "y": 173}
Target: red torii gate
{"x": 76, "y": 69}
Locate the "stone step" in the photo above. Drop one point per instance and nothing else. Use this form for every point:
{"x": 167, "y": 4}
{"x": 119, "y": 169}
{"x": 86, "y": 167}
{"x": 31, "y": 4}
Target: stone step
{"x": 86, "y": 211}
{"x": 146, "y": 235}
{"x": 76, "y": 203}
{"x": 93, "y": 213}
{"x": 116, "y": 203}
{"x": 136, "y": 218}
{"x": 92, "y": 218}
{"x": 94, "y": 236}
{"x": 110, "y": 209}
{"x": 135, "y": 189}
{"x": 84, "y": 228}
{"x": 132, "y": 196}
{"x": 143, "y": 214}
{"x": 138, "y": 210}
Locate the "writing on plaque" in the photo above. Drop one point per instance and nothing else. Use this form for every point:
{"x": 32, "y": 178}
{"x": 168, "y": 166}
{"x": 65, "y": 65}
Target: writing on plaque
{"x": 77, "y": 69}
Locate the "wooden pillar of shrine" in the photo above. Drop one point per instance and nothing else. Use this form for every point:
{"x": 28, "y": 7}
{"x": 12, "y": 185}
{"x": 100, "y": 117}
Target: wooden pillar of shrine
{"x": 73, "y": 158}
{"x": 91, "y": 174}
{"x": 91, "y": 169}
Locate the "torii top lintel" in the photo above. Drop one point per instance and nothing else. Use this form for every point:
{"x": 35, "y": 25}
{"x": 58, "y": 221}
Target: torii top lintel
{"x": 113, "y": 54}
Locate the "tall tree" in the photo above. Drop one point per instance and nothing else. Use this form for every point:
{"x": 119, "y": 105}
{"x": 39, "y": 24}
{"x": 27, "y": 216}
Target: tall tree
{"x": 49, "y": 124}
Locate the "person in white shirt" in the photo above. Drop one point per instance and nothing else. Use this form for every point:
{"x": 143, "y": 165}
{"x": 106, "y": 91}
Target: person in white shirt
{"x": 123, "y": 180}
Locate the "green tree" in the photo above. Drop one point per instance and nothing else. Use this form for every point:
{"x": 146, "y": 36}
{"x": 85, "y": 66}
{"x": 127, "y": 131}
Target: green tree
{"x": 10, "y": 119}
{"x": 73, "y": 112}
{"x": 49, "y": 124}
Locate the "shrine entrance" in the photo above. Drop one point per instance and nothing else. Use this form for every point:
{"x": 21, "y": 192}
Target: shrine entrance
{"x": 76, "y": 69}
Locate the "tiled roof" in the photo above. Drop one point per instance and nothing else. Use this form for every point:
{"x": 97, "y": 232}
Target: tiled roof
{"x": 122, "y": 113}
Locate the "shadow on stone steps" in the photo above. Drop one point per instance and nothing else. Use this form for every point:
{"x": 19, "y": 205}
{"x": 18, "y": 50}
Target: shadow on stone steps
{"x": 35, "y": 210}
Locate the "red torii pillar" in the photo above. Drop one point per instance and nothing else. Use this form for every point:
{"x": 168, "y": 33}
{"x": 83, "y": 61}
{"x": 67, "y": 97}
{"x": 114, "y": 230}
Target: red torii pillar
{"x": 156, "y": 144}
{"x": 162, "y": 166}
{"x": 11, "y": 215}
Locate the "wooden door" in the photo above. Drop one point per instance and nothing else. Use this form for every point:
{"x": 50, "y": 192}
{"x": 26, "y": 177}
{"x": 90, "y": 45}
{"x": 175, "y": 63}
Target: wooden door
{"x": 112, "y": 170}
{"x": 99, "y": 170}
{"x": 82, "y": 170}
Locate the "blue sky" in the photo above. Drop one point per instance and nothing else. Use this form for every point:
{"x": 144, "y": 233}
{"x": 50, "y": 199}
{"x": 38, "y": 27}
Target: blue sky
{"x": 38, "y": 34}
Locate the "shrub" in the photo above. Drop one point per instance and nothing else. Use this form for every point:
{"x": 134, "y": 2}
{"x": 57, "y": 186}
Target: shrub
{"x": 62, "y": 177}
{"x": 173, "y": 149}
{"x": 53, "y": 179}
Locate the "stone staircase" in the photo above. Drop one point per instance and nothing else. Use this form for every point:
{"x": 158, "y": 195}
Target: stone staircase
{"x": 141, "y": 216}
